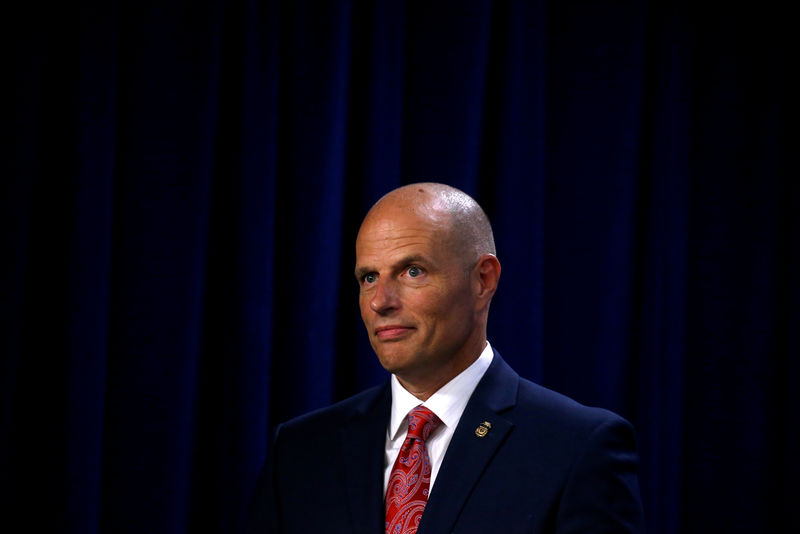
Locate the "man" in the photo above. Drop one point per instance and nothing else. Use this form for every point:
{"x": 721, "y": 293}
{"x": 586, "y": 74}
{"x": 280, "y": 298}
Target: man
{"x": 455, "y": 441}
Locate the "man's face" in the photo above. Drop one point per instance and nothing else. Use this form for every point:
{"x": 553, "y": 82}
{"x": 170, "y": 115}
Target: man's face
{"x": 415, "y": 294}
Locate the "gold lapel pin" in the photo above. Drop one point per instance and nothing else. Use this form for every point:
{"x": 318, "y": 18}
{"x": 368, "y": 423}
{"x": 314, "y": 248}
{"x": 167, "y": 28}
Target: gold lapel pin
{"x": 483, "y": 429}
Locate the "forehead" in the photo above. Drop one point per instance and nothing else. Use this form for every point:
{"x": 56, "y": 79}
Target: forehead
{"x": 397, "y": 232}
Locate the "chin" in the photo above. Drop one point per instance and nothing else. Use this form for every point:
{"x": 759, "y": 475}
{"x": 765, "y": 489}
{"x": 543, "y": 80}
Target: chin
{"x": 391, "y": 364}
{"x": 394, "y": 362}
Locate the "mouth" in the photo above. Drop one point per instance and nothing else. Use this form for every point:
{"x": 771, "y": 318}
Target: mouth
{"x": 391, "y": 332}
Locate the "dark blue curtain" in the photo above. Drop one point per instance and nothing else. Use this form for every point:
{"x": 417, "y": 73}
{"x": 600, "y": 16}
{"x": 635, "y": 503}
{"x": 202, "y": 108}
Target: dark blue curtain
{"x": 182, "y": 185}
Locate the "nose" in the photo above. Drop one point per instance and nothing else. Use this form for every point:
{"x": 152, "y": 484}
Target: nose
{"x": 385, "y": 298}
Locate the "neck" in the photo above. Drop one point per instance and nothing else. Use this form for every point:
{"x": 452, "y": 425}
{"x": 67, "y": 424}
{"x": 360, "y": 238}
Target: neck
{"x": 428, "y": 383}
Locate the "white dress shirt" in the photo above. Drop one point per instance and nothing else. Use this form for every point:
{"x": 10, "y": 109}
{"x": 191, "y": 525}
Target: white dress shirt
{"x": 447, "y": 403}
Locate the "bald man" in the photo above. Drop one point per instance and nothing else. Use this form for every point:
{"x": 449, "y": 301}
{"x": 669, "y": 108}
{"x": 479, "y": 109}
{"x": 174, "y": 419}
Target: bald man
{"x": 455, "y": 441}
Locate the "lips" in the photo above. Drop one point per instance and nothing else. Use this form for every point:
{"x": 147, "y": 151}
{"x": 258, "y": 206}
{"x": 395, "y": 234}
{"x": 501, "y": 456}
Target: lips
{"x": 390, "y": 332}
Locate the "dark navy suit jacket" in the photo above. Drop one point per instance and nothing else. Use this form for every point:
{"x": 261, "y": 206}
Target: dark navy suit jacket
{"x": 548, "y": 464}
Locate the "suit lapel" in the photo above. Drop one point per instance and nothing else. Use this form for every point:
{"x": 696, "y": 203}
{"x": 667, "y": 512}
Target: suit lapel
{"x": 468, "y": 453}
{"x": 363, "y": 442}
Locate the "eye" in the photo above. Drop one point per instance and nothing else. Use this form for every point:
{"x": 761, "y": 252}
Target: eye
{"x": 414, "y": 271}
{"x": 369, "y": 278}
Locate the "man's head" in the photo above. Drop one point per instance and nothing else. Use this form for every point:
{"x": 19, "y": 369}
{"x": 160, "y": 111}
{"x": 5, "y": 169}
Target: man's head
{"x": 426, "y": 266}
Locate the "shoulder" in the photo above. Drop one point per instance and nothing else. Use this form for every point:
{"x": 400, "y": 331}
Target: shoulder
{"x": 594, "y": 453}
{"x": 564, "y": 426}
{"x": 550, "y": 419}
{"x": 555, "y": 409}
{"x": 583, "y": 459}
{"x": 325, "y": 419}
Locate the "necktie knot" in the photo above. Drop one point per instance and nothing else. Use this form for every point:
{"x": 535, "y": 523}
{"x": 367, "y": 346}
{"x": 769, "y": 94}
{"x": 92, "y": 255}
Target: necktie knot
{"x": 421, "y": 422}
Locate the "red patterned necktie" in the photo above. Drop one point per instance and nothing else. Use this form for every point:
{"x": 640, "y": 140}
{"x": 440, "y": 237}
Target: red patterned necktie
{"x": 407, "y": 492}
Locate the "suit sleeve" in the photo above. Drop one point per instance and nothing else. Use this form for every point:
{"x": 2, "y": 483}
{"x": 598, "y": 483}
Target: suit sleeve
{"x": 602, "y": 490}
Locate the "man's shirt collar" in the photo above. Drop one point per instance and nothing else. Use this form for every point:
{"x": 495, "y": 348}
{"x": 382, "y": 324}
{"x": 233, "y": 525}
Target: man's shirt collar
{"x": 447, "y": 403}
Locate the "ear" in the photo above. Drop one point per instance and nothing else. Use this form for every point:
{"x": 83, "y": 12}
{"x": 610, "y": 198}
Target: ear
{"x": 486, "y": 276}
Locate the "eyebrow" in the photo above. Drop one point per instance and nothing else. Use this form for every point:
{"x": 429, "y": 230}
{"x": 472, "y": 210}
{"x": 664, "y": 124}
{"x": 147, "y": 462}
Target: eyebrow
{"x": 402, "y": 262}
{"x": 361, "y": 271}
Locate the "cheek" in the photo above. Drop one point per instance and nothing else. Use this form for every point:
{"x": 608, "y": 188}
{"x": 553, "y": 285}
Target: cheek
{"x": 430, "y": 304}
{"x": 452, "y": 305}
{"x": 363, "y": 306}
